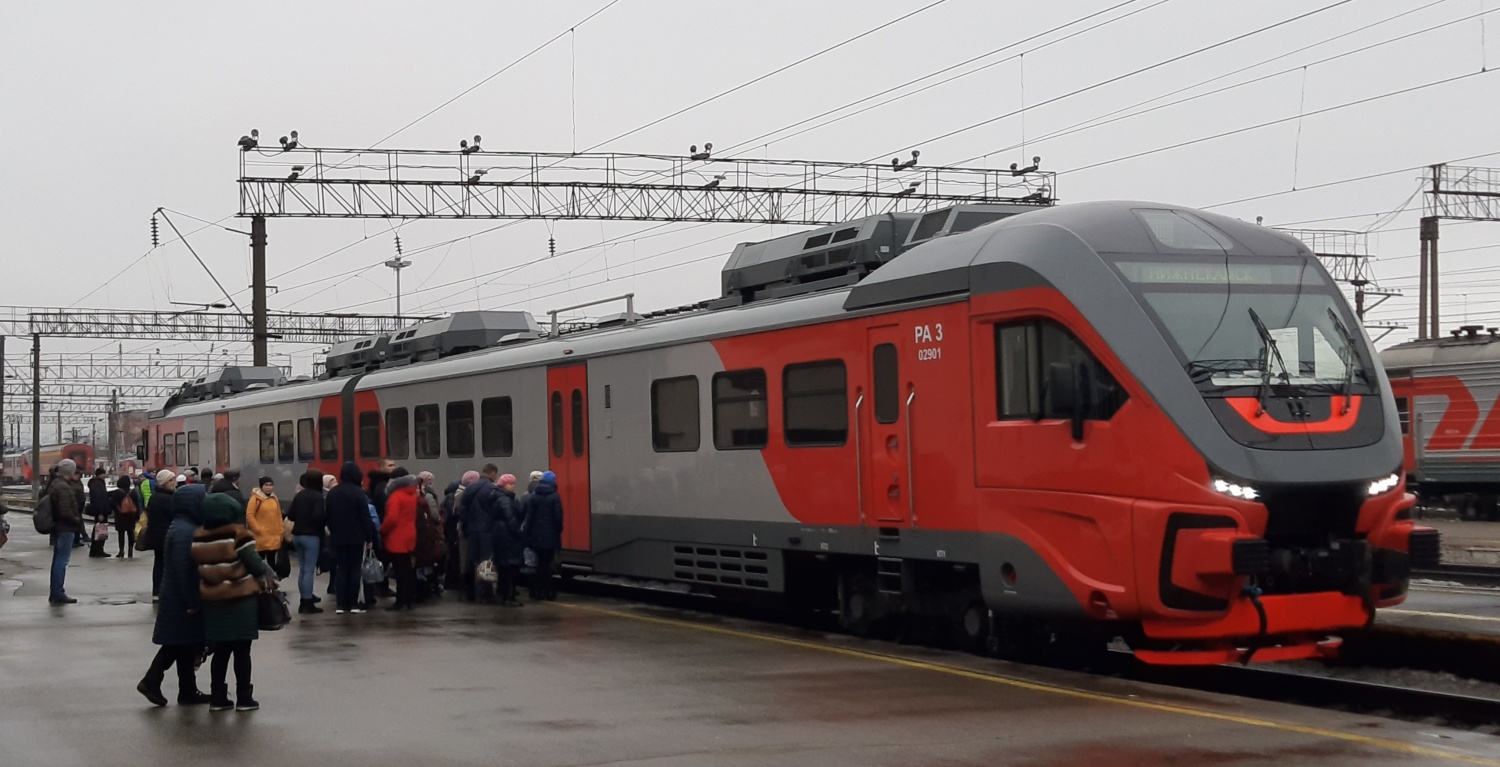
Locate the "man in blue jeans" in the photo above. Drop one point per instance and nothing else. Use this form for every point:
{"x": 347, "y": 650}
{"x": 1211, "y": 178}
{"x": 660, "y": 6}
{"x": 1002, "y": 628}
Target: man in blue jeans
{"x": 66, "y": 492}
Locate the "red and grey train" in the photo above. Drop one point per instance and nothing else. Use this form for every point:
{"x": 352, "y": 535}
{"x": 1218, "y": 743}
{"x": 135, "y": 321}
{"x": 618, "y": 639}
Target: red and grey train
{"x": 1446, "y": 390}
{"x": 1096, "y": 420}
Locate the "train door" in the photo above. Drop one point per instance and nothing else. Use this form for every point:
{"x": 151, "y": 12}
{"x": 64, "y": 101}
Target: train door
{"x": 885, "y": 472}
{"x": 221, "y": 442}
{"x": 567, "y": 444}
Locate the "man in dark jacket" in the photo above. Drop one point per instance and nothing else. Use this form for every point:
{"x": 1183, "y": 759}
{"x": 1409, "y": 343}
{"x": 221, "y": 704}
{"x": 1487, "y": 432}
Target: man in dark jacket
{"x": 508, "y": 520}
{"x": 544, "y": 526}
{"x": 66, "y": 494}
{"x": 477, "y": 515}
{"x": 309, "y": 517}
{"x": 158, "y": 519}
{"x": 229, "y": 485}
{"x": 179, "y": 624}
{"x": 350, "y": 529}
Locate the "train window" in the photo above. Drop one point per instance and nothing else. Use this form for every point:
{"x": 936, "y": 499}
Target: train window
{"x": 369, "y": 434}
{"x": 267, "y": 443}
{"x": 460, "y": 429}
{"x": 192, "y": 448}
{"x": 1403, "y": 414}
{"x": 167, "y": 456}
{"x": 578, "y": 421}
{"x": 557, "y": 424}
{"x": 887, "y": 384}
{"x": 1025, "y": 351}
{"x": 397, "y": 434}
{"x": 182, "y": 449}
{"x": 740, "y": 409}
{"x": 286, "y": 444}
{"x": 221, "y": 446}
{"x": 328, "y": 438}
{"x": 497, "y": 427}
{"x": 429, "y": 431}
{"x": 815, "y": 403}
{"x": 307, "y": 440}
{"x": 674, "y": 415}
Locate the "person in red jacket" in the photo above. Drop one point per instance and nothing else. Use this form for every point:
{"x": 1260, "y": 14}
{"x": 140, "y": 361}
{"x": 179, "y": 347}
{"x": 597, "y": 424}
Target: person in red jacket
{"x": 399, "y": 533}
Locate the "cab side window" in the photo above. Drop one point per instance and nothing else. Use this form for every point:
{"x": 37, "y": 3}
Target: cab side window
{"x": 1025, "y": 352}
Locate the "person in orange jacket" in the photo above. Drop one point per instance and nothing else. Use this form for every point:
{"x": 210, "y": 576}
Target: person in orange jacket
{"x": 264, "y": 519}
{"x": 399, "y": 533}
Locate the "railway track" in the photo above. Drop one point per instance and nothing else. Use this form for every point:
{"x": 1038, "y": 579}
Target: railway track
{"x": 1468, "y": 575}
{"x": 1255, "y": 681}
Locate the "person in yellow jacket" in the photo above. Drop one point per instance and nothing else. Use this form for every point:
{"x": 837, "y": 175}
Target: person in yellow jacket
{"x": 264, "y": 518}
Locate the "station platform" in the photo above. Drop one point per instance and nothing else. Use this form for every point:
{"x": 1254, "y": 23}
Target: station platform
{"x": 1467, "y": 543}
{"x": 594, "y": 681}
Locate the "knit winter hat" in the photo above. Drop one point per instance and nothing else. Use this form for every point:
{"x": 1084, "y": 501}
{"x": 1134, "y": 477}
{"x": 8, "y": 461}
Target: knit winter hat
{"x": 536, "y": 476}
{"x": 67, "y": 466}
{"x": 265, "y": 481}
{"x": 506, "y": 479}
{"x": 549, "y": 477}
{"x": 469, "y": 478}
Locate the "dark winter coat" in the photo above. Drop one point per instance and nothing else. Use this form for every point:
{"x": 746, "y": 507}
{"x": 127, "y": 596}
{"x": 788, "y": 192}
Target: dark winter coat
{"x": 179, "y": 582}
{"x": 379, "y": 492}
{"x": 544, "y": 517}
{"x": 309, "y": 514}
{"x": 428, "y": 551}
{"x": 450, "y": 514}
{"x": 478, "y": 510}
{"x": 188, "y": 499}
{"x": 158, "y": 518}
{"x": 233, "y": 619}
{"x": 67, "y": 505}
{"x": 226, "y": 487}
{"x": 348, "y": 510}
{"x": 506, "y": 532}
{"x": 98, "y": 497}
{"x": 116, "y": 509}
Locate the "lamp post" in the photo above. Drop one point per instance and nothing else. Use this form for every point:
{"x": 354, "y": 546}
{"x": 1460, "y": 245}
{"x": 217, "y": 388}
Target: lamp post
{"x": 397, "y": 264}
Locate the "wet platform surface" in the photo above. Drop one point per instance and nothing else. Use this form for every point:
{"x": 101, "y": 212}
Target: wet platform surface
{"x": 591, "y": 681}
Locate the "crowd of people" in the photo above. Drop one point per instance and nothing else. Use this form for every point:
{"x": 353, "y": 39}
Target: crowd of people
{"x": 217, "y": 550}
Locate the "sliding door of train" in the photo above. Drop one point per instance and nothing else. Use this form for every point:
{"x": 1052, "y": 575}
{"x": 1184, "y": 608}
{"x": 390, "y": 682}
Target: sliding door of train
{"x": 885, "y": 471}
{"x": 567, "y": 442}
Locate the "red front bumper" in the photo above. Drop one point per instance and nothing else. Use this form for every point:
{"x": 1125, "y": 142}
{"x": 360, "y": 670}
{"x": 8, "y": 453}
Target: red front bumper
{"x": 1297, "y": 626}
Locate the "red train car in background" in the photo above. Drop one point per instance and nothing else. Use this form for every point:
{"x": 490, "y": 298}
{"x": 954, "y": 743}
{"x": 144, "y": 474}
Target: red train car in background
{"x": 1446, "y": 390}
{"x": 17, "y": 466}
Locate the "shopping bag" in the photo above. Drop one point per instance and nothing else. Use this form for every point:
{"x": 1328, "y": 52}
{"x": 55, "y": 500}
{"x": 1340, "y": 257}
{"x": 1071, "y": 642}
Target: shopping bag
{"x": 370, "y": 571}
{"x": 486, "y": 572}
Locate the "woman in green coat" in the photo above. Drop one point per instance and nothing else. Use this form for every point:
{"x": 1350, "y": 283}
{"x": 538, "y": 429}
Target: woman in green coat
{"x": 231, "y": 574}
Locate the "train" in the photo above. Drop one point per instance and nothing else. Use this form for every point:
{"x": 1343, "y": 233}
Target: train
{"x": 16, "y": 467}
{"x": 1446, "y": 389}
{"x": 1041, "y": 427}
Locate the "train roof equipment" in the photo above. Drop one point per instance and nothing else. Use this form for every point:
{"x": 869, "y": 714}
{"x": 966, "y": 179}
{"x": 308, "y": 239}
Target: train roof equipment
{"x": 455, "y": 334}
{"x": 358, "y": 355}
{"x": 1465, "y": 344}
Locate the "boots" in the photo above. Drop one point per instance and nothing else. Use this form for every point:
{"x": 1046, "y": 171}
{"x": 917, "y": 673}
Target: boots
{"x": 150, "y": 686}
{"x": 188, "y": 693}
{"x": 219, "y": 698}
{"x": 308, "y": 606}
{"x": 246, "y": 700}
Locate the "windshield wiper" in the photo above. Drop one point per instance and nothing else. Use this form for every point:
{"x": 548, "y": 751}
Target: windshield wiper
{"x": 1268, "y": 352}
{"x": 1348, "y": 363}
{"x": 1201, "y": 371}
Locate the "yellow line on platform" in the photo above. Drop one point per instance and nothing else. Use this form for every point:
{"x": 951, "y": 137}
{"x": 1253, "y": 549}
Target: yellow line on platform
{"x": 1427, "y": 614}
{"x": 1364, "y": 740}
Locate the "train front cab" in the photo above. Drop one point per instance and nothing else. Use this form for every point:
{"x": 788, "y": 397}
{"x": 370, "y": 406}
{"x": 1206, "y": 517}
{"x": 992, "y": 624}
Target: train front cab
{"x": 1107, "y": 458}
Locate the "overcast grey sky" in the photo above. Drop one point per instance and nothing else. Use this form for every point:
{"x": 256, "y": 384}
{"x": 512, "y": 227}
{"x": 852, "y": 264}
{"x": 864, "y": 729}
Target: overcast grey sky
{"x": 108, "y": 110}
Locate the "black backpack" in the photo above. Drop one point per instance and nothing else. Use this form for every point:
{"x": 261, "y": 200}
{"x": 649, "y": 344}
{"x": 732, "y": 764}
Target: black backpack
{"x": 42, "y": 517}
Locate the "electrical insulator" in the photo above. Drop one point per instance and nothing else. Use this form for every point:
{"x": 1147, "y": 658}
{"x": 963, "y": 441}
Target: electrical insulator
{"x": 398, "y": 244}
{"x": 155, "y": 238}
{"x": 551, "y": 246}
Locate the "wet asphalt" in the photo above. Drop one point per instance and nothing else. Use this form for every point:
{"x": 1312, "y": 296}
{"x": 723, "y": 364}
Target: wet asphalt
{"x": 595, "y": 681}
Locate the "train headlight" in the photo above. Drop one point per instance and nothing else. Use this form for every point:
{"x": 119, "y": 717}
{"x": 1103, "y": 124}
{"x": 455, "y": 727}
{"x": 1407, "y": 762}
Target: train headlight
{"x": 1384, "y": 485}
{"x": 1236, "y": 490}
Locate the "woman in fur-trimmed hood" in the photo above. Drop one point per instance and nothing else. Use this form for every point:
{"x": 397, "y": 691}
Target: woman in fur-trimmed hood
{"x": 231, "y": 575}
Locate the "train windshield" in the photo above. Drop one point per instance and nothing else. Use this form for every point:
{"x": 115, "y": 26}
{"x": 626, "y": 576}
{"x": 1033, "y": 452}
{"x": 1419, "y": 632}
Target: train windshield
{"x": 1238, "y": 323}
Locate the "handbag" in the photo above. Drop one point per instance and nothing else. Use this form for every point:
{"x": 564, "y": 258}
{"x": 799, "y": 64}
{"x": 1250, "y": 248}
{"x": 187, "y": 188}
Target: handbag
{"x": 141, "y": 543}
{"x": 281, "y": 563}
{"x": 371, "y": 571}
{"x": 272, "y": 611}
{"x": 486, "y": 572}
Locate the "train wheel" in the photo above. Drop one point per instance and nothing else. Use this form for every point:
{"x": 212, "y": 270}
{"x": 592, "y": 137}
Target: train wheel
{"x": 1487, "y": 508}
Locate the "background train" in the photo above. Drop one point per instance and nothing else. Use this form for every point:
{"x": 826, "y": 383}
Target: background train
{"x": 1044, "y": 427}
{"x": 16, "y": 467}
{"x": 1446, "y": 390}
